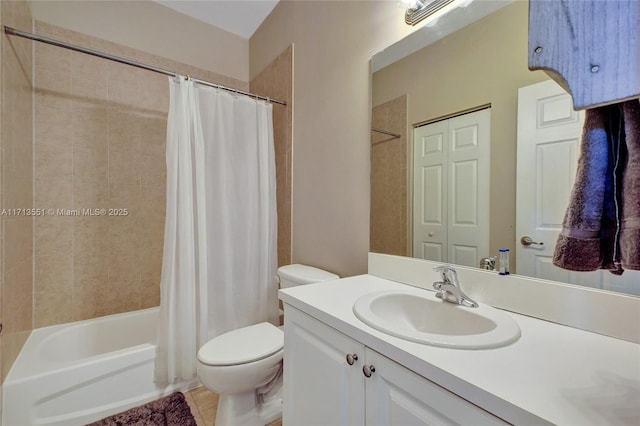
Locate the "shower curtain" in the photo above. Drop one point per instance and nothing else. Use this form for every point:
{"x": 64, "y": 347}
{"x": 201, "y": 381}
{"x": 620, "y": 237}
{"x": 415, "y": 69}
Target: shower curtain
{"x": 220, "y": 258}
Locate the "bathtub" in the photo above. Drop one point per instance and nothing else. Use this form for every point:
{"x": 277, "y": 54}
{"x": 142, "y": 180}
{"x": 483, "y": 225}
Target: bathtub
{"x": 80, "y": 372}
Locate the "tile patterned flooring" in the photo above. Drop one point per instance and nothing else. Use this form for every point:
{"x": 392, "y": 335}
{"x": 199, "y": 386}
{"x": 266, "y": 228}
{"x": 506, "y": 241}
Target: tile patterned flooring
{"x": 204, "y": 405}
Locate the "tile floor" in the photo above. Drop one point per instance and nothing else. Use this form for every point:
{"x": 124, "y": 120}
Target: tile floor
{"x": 204, "y": 404}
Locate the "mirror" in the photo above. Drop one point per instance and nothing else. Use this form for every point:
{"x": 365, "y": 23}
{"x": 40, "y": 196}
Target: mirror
{"x": 474, "y": 57}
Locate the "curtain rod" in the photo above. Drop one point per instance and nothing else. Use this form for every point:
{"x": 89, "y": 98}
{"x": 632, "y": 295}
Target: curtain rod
{"x": 385, "y": 132}
{"x": 35, "y": 37}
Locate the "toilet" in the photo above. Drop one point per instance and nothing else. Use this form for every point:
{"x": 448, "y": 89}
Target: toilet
{"x": 244, "y": 365}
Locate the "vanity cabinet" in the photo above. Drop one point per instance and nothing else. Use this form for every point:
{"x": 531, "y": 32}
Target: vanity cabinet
{"x": 331, "y": 379}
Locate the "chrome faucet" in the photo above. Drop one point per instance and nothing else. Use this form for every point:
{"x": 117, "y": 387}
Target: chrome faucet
{"x": 449, "y": 288}
{"x": 488, "y": 263}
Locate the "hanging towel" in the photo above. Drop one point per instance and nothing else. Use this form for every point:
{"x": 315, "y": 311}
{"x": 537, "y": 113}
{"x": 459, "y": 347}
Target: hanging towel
{"x": 590, "y": 238}
{"x": 630, "y": 226}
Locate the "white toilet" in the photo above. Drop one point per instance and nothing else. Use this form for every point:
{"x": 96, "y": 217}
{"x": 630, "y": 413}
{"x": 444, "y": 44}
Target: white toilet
{"x": 244, "y": 365}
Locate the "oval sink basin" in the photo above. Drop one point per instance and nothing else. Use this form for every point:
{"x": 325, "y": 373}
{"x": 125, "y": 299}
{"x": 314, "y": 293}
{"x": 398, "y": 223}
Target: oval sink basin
{"x": 417, "y": 315}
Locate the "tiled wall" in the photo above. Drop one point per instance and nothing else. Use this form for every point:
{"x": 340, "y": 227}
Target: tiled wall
{"x": 99, "y": 144}
{"x": 389, "y": 202}
{"x": 276, "y": 81}
{"x": 16, "y": 280}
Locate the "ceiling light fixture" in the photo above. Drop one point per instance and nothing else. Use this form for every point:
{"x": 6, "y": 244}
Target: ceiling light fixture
{"x": 421, "y": 9}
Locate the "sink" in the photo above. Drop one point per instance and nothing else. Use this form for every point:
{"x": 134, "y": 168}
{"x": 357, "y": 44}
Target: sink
{"x": 417, "y": 315}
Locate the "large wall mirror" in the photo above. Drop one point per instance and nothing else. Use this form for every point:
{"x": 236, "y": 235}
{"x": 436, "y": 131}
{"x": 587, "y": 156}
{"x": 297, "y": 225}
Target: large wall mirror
{"x": 459, "y": 93}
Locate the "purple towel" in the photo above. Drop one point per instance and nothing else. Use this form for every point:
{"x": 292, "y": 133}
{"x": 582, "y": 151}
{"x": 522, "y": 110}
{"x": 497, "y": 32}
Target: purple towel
{"x": 601, "y": 228}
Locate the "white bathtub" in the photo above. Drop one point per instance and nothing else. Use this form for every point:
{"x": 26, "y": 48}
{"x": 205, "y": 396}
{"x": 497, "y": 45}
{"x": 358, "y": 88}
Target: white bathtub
{"x": 76, "y": 373}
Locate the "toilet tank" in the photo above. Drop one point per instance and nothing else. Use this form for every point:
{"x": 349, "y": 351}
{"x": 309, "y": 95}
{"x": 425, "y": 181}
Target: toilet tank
{"x": 296, "y": 274}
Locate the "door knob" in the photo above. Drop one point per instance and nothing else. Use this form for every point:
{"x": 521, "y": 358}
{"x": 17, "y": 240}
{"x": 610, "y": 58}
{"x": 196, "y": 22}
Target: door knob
{"x": 368, "y": 370}
{"x": 527, "y": 241}
{"x": 351, "y": 358}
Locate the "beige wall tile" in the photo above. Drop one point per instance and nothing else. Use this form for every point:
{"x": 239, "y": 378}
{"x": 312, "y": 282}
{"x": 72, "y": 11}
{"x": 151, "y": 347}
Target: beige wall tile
{"x": 90, "y": 195}
{"x": 123, "y": 296}
{"x": 124, "y": 233}
{"x": 52, "y": 59}
{"x": 124, "y": 168}
{"x": 16, "y": 185}
{"x": 18, "y": 295}
{"x": 151, "y": 261}
{"x": 87, "y": 67}
{"x": 89, "y": 301}
{"x": 124, "y": 264}
{"x": 53, "y": 271}
{"x": 124, "y": 93}
{"x": 52, "y": 127}
{"x": 90, "y": 264}
{"x": 153, "y": 169}
{"x": 149, "y": 293}
{"x": 90, "y": 165}
{"x": 53, "y": 163}
{"x": 153, "y": 136}
{"x": 53, "y": 193}
{"x": 125, "y": 196}
{"x": 51, "y": 99}
{"x": 17, "y": 240}
{"x": 155, "y": 98}
{"x": 124, "y": 129}
{"x": 52, "y": 235}
{"x": 89, "y": 126}
{"x": 52, "y": 307}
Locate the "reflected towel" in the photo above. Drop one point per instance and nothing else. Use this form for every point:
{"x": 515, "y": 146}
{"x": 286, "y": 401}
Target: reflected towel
{"x": 591, "y": 229}
{"x": 630, "y": 226}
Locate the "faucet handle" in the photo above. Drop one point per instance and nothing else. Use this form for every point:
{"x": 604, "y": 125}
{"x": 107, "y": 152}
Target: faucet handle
{"x": 445, "y": 270}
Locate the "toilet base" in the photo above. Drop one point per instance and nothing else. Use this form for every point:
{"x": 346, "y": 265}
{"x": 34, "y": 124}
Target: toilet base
{"x": 240, "y": 409}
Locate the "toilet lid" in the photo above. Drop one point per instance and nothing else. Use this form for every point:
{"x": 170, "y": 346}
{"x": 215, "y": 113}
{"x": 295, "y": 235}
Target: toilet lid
{"x": 242, "y": 345}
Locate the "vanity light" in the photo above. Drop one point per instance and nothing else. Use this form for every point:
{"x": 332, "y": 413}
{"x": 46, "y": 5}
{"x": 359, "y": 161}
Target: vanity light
{"x": 417, "y": 10}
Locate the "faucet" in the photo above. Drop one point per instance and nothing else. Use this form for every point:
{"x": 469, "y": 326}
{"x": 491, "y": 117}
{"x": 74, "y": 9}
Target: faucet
{"x": 449, "y": 289}
{"x": 488, "y": 263}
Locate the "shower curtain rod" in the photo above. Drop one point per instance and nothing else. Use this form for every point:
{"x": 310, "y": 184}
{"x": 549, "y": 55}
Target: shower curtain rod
{"x": 35, "y": 37}
{"x": 385, "y": 132}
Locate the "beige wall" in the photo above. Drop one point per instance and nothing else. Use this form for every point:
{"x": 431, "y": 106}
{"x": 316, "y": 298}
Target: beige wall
{"x": 334, "y": 42}
{"x": 276, "y": 82}
{"x": 153, "y": 28}
{"x": 16, "y": 183}
{"x": 483, "y": 63}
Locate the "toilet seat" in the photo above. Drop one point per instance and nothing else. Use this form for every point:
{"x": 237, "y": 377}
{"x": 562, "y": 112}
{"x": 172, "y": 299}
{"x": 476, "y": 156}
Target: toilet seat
{"x": 243, "y": 345}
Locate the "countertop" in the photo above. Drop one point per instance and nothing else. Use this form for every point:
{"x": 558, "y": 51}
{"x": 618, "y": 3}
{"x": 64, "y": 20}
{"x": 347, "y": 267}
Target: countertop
{"x": 552, "y": 374}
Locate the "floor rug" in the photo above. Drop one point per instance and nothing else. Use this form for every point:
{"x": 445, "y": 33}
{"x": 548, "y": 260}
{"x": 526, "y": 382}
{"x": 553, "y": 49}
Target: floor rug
{"x": 171, "y": 410}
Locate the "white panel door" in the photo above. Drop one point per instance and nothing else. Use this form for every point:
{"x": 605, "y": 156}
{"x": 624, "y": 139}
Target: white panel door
{"x": 549, "y": 133}
{"x": 398, "y": 396}
{"x": 451, "y": 169}
{"x": 429, "y": 191}
{"x": 320, "y": 387}
{"x": 469, "y": 168}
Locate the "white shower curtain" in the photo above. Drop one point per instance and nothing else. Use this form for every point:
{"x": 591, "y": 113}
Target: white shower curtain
{"x": 220, "y": 257}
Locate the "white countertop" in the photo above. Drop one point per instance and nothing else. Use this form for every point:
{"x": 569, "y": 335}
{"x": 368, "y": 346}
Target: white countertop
{"x": 553, "y": 373}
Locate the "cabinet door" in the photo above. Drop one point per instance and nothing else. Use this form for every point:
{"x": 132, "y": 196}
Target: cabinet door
{"x": 398, "y": 396}
{"x": 320, "y": 387}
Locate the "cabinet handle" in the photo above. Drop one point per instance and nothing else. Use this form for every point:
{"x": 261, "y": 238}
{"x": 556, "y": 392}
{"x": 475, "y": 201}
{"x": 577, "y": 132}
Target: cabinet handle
{"x": 351, "y": 358}
{"x": 368, "y": 370}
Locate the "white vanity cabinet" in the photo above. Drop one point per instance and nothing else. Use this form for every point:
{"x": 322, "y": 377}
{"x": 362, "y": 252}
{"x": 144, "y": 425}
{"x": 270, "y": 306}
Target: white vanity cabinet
{"x": 325, "y": 384}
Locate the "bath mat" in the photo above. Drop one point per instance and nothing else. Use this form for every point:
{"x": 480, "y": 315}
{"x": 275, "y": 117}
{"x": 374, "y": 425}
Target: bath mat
{"x": 171, "y": 410}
